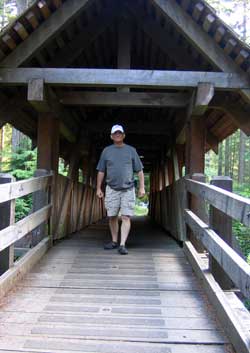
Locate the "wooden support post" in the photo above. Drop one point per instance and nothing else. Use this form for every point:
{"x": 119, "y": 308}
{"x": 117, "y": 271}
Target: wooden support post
{"x": 176, "y": 165}
{"x": 170, "y": 169}
{"x": 195, "y": 149}
{"x": 166, "y": 177}
{"x": 222, "y": 225}
{"x": 67, "y": 192}
{"x": 7, "y": 217}
{"x": 204, "y": 95}
{"x": 198, "y": 206}
{"x": 48, "y": 142}
{"x": 48, "y": 153}
{"x": 195, "y": 162}
{"x": 40, "y": 199}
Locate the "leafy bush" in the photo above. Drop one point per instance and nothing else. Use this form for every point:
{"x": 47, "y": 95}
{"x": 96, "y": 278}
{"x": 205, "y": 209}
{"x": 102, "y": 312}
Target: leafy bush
{"x": 242, "y": 232}
{"x": 22, "y": 165}
{"x": 23, "y": 207}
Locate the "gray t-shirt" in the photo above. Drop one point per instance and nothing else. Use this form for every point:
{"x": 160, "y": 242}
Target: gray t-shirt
{"x": 119, "y": 164}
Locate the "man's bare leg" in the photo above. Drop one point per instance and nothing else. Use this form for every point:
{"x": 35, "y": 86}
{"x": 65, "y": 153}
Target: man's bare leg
{"x": 114, "y": 228}
{"x": 125, "y": 228}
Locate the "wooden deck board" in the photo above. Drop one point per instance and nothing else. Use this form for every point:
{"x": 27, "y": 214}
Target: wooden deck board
{"x": 82, "y": 298}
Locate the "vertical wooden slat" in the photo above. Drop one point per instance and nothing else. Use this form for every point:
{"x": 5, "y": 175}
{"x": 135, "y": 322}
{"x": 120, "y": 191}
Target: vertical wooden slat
{"x": 222, "y": 224}
{"x": 48, "y": 154}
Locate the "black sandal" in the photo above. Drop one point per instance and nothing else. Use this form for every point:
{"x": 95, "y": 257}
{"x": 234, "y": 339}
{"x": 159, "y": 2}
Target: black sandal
{"x": 111, "y": 245}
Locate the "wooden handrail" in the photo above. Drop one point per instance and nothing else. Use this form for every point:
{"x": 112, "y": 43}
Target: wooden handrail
{"x": 21, "y": 188}
{"x": 11, "y": 234}
{"x": 235, "y": 267}
{"x": 235, "y": 206}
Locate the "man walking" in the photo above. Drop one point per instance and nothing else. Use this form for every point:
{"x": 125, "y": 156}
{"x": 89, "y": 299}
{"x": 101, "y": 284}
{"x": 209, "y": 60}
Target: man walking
{"x": 119, "y": 162}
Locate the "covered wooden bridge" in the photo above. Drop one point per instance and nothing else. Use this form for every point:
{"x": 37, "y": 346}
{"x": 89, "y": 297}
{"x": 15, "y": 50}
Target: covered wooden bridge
{"x": 177, "y": 78}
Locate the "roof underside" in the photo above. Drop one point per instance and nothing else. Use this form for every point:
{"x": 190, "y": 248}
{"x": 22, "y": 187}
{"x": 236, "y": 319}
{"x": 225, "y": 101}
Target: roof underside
{"x": 92, "y": 38}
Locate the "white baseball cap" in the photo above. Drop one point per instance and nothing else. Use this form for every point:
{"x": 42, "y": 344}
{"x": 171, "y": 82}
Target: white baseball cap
{"x": 117, "y": 128}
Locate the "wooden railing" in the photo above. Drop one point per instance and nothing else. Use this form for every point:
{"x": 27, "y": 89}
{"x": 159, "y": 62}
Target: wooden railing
{"x": 75, "y": 207}
{"x": 12, "y": 231}
{"x": 167, "y": 208}
{"x": 171, "y": 208}
{"x": 233, "y": 205}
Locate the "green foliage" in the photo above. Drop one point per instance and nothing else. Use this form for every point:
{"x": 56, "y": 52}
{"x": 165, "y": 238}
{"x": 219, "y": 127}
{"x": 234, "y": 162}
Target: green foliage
{"x": 23, "y": 161}
{"x": 62, "y": 168}
{"x": 242, "y": 232}
{"x": 21, "y": 164}
{"x": 23, "y": 207}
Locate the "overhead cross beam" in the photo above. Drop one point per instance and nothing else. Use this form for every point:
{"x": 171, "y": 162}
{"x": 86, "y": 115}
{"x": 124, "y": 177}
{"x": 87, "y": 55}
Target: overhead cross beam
{"x": 46, "y": 31}
{"x": 125, "y": 78}
{"x": 126, "y": 99}
{"x": 204, "y": 95}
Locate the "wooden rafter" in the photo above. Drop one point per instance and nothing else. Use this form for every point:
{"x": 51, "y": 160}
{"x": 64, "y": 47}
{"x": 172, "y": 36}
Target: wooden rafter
{"x": 200, "y": 39}
{"x": 158, "y": 35}
{"x": 83, "y": 40}
{"x": 55, "y": 23}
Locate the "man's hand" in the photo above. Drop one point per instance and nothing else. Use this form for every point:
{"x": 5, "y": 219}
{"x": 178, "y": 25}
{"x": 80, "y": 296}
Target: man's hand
{"x": 141, "y": 192}
{"x": 99, "y": 193}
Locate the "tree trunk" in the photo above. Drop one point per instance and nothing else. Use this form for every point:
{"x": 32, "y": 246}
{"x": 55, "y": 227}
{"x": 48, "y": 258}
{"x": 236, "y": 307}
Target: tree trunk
{"x": 241, "y": 169}
{"x": 1, "y": 147}
{"x": 220, "y": 159}
{"x": 227, "y": 157}
{"x": 17, "y": 136}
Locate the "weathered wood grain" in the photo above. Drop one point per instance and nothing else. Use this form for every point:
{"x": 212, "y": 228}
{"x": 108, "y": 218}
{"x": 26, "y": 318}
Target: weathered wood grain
{"x": 123, "y": 78}
{"x": 234, "y": 266}
{"x": 235, "y": 206}
{"x": 15, "y": 232}
{"x": 21, "y": 188}
{"x": 146, "y": 302}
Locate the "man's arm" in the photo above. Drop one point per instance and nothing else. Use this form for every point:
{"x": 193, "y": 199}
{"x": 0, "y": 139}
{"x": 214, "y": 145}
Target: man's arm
{"x": 141, "y": 191}
{"x": 100, "y": 177}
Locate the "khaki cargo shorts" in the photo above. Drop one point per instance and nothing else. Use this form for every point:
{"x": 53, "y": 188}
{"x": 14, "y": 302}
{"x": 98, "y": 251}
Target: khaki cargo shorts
{"x": 116, "y": 201}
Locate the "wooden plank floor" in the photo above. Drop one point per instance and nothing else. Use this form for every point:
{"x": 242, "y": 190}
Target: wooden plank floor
{"x": 81, "y": 298}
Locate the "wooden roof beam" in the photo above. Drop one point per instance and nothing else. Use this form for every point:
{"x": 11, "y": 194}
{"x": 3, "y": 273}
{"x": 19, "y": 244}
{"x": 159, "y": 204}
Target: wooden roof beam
{"x": 126, "y": 99}
{"x": 205, "y": 44}
{"x": 236, "y": 112}
{"x": 46, "y": 31}
{"x": 204, "y": 95}
{"x": 124, "y": 78}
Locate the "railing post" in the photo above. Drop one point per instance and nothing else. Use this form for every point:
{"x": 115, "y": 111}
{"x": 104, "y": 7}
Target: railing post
{"x": 222, "y": 225}
{"x": 198, "y": 206}
{"x": 7, "y": 217}
{"x": 40, "y": 199}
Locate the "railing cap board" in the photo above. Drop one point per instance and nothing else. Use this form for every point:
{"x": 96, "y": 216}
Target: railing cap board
{"x": 21, "y": 188}
{"x": 235, "y": 206}
{"x": 11, "y": 234}
{"x": 235, "y": 267}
